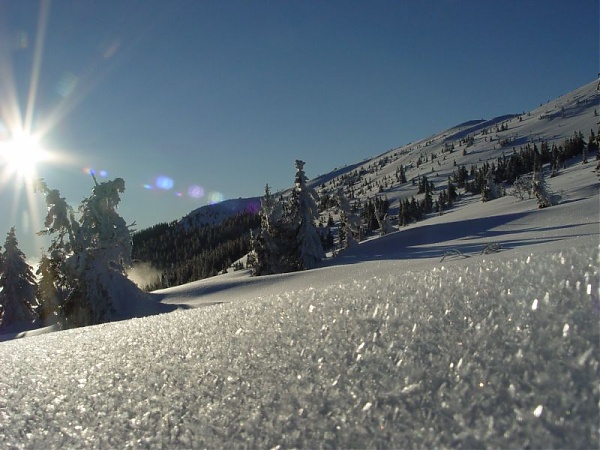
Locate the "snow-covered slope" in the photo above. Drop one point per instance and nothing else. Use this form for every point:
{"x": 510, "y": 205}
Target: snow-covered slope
{"x": 418, "y": 339}
{"x": 552, "y": 122}
{"x": 215, "y": 213}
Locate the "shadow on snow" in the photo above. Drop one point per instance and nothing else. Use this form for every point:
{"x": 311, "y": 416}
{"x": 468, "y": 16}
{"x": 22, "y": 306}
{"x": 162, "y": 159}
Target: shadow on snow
{"x": 433, "y": 241}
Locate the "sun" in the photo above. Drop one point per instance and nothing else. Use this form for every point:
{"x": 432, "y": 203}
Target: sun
{"x": 21, "y": 154}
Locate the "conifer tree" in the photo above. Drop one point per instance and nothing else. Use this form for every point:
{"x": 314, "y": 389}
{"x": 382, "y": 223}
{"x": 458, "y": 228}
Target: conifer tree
{"x": 49, "y": 293}
{"x": 452, "y": 194}
{"x": 269, "y": 246}
{"x": 349, "y": 222}
{"x": 18, "y": 299}
{"x": 540, "y": 189}
{"x": 303, "y": 214}
{"x": 403, "y": 214}
{"x": 90, "y": 254}
{"x": 490, "y": 188}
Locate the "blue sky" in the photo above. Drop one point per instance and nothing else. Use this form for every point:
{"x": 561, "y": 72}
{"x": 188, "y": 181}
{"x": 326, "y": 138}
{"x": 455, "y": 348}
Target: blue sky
{"x": 192, "y": 101}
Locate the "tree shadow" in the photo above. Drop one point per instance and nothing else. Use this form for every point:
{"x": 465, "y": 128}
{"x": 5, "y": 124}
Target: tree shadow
{"x": 432, "y": 241}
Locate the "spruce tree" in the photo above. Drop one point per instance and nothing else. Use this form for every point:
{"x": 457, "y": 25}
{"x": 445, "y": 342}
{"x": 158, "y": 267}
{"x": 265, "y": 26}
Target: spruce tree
{"x": 91, "y": 255}
{"x": 349, "y": 222}
{"x": 540, "y": 189}
{"x": 308, "y": 250}
{"x": 18, "y": 299}
{"x": 452, "y": 194}
{"x": 490, "y": 188}
{"x": 269, "y": 246}
{"x": 49, "y": 293}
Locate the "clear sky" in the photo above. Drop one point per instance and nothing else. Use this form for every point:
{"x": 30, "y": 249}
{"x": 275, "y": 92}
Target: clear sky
{"x": 192, "y": 101}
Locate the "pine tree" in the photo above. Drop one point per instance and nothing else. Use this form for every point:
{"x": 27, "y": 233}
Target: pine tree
{"x": 401, "y": 174}
{"x": 544, "y": 197}
{"x": 18, "y": 299}
{"x": 269, "y": 246}
{"x": 490, "y": 188}
{"x": 308, "y": 250}
{"x": 91, "y": 255}
{"x": 381, "y": 208}
{"x": 48, "y": 290}
{"x": 349, "y": 222}
{"x": 403, "y": 214}
{"x": 452, "y": 194}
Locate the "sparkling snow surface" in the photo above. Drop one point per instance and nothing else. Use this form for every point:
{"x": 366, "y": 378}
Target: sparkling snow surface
{"x": 501, "y": 353}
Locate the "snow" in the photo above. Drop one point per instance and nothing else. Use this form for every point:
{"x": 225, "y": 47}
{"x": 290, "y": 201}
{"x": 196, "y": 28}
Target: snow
{"x": 452, "y": 356}
{"x": 385, "y": 346}
{"x": 387, "y": 350}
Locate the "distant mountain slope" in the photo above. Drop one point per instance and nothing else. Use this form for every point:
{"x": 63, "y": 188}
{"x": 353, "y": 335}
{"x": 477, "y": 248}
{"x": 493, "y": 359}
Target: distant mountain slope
{"x": 470, "y": 144}
{"x": 553, "y": 122}
{"x": 215, "y": 213}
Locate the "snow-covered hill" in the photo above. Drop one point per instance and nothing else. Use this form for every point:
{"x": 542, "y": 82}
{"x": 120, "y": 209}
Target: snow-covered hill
{"x": 553, "y": 123}
{"x": 215, "y": 213}
{"x": 476, "y": 328}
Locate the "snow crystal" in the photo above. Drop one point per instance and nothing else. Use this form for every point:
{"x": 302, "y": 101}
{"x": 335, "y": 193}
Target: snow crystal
{"x": 468, "y": 367}
{"x": 534, "y": 305}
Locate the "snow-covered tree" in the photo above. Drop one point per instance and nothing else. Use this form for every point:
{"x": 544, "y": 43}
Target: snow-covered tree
{"x": 90, "y": 255}
{"x": 349, "y": 222}
{"x": 383, "y": 218}
{"x": 269, "y": 245}
{"x": 522, "y": 188}
{"x": 102, "y": 228}
{"x": 490, "y": 189}
{"x": 540, "y": 189}
{"x": 18, "y": 300}
{"x": 303, "y": 214}
{"x": 288, "y": 239}
{"x": 49, "y": 290}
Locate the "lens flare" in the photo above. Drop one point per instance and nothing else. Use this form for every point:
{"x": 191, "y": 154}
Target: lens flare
{"x": 111, "y": 48}
{"x": 253, "y": 207}
{"x": 21, "y": 40}
{"x": 67, "y": 84}
{"x": 196, "y": 191}
{"x": 91, "y": 171}
{"x": 164, "y": 183}
{"x": 215, "y": 197}
{"x": 193, "y": 191}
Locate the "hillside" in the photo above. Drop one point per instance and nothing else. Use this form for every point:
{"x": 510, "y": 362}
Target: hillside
{"x": 552, "y": 123}
{"x": 473, "y": 328}
{"x": 194, "y": 246}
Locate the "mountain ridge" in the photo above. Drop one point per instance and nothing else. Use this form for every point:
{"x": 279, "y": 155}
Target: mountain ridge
{"x": 574, "y": 109}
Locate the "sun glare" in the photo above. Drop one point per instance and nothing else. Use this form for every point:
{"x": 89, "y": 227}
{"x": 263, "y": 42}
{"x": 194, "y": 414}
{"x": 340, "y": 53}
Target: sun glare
{"x": 21, "y": 154}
